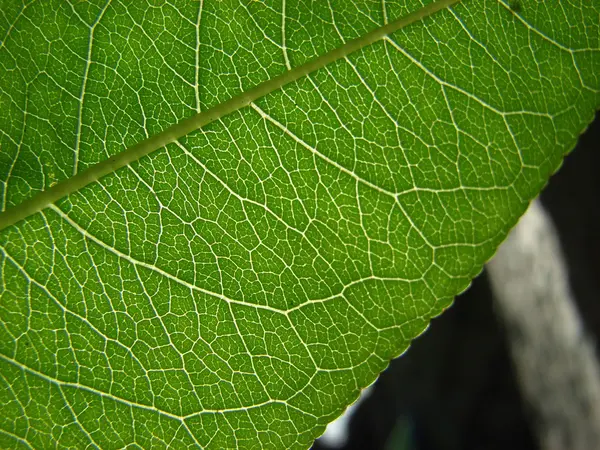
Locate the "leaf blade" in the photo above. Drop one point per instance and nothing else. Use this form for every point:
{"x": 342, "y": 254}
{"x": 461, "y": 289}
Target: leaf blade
{"x": 241, "y": 286}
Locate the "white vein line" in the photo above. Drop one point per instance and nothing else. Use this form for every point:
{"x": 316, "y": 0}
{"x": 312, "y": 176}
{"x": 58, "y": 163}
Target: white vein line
{"x": 32, "y": 281}
{"x": 153, "y": 268}
{"x": 288, "y": 175}
{"x": 169, "y": 340}
{"x": 197, "y": 68}
{"x": 18, "y": 146}
{"x": 61, "y": 384}
{"x": 252, "y": 17}
{"x": 170, "y": 444}
{"x": 67, "y": 384}
{"x": 420, "y": 233}
{"x": 313, "y": 150}
{"x": 342, "y": 293}
{"x": 458, "y": 134}
{"x": 352, "y": 174}
{"x": 12, "y": 25}
{"x": 15, "y": 398}
{"x": 22, "y": 413}
{"x": 204, "y": 291}
{"x": 545, "y": 37}
{"x": 283, "y": 37}
{"x": 477, "y": 43}
{"x": 249, "y": 408}
{"x": 16, "y": 438}
{"x": 190, "y": 433}
{"x": 7, "y": 136}
{"x": 334, "y": 23}
{"x": 265, "y": 207}
{"x": 244, "y": 200}
{"x": 384, "y": 12}
{"x": 233, "y": 432}
{"x": 76, "y": 419}
{"x": 395, "y": 123}
{"x": 152, "y": 39}
{"x": 473, "y": 97}
{"x": 383, "y": 108}
{"x": 162, "y": 207}
{"x": 557, "y": 44}
{"x": 88, "y": 63}
{"x": 335, "y": 113}
{"x": 361, "y": 215}
{"x": 240, "y": 198}
{"x": 254, "y": 372}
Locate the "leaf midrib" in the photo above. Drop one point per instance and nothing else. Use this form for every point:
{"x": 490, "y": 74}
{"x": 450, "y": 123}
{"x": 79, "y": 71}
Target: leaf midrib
{"x": 94, "y": 173}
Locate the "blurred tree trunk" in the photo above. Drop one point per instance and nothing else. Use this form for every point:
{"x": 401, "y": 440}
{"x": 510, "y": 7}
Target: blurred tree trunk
{"x": 553, "y": 356}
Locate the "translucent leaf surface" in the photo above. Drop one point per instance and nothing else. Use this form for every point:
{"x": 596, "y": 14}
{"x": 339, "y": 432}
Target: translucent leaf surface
{"x": 239, "y": 286}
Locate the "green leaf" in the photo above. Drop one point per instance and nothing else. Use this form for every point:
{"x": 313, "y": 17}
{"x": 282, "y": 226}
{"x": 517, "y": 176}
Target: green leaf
{"x": 241, "y": 284}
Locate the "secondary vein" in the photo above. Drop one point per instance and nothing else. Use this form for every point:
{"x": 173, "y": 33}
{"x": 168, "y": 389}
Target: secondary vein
{"x": 190, "y": 124}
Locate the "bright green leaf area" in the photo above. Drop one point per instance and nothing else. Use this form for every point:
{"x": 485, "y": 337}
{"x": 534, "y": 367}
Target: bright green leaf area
{"x": 239, "y": 287}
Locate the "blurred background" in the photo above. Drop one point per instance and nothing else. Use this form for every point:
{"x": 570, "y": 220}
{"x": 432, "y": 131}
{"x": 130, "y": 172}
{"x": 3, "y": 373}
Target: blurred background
{"x": 457, "y": 387}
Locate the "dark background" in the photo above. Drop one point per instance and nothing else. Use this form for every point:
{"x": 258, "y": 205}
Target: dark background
{"x": 455, "y": 387}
